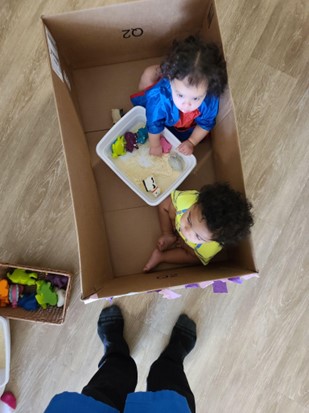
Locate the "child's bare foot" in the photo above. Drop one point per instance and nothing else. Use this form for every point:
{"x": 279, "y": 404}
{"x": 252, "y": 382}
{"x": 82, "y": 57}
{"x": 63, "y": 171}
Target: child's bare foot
{"x": 166, "y": 241}
{"x": 153, "y": 261}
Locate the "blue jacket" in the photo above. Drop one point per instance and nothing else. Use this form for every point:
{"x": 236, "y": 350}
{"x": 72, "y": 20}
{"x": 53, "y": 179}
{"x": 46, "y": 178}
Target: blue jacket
{"x": 163, "y": 401}
{"x": 161, "y": 111}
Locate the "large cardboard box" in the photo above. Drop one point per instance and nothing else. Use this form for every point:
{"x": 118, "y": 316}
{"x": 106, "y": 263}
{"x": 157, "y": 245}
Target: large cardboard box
{"x": 97, "y": 57}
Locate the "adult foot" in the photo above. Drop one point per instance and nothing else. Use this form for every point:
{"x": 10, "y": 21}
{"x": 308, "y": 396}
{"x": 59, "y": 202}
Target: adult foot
{"x": 110, "y": 329}
{"x": 183, "y": 338}
{"x": 154, "y": 260}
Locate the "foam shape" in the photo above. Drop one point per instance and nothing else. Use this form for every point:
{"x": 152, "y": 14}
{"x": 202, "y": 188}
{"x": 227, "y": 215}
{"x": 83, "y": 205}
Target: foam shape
{"x": 45, "y": 294}
{"x": 59, "y": 281}
{"x": 131, "y": 144}
{"x": 20, "y": 276}
{"x": 119, "y": 147}
{"x": 141, "y": 135}
{"x": 236, "y": 280}
{"x": 219, "y": 287}
{"x": 15, "y": 291}
{"x": 28, "y": 302}
{"x": 4, "y": 293}
{"x": 165, "y": 145}
{"x": 61, "y": 297}
{"x": 8, "y": 402}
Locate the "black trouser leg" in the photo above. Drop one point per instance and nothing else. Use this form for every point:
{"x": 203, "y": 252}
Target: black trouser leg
{"x": 168, "y": 374}
{"x": 116, "y": 377}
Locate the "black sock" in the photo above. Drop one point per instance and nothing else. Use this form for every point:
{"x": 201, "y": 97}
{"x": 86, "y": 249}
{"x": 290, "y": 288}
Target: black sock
{"x": 183, "y": 339}
{"x": 110, "y": 330}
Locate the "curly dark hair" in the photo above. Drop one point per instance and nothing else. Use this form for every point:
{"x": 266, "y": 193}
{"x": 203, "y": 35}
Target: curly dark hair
{"x": 198, "y": 62}
{"x": 226, "y": 212}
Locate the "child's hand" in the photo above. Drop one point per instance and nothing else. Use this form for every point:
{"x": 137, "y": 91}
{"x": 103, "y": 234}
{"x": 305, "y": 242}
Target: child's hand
{"x": 166, "y": 241}
{"x": 155, "y": 144}
{"x": 186, "y": 148}
{"x": 155, "y": 150}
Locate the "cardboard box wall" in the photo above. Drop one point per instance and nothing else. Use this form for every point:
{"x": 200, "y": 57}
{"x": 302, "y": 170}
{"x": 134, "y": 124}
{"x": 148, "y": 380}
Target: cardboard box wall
{"x": 97, "y": 57}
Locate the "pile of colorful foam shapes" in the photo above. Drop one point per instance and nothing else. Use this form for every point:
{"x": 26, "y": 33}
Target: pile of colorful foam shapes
{"x": 130, "y": 141}
{"x": 22, "y": 288}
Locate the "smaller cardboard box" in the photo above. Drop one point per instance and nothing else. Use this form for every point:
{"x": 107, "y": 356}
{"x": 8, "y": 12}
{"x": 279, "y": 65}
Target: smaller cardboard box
{"x": 131, "y": 122}
{"x": 50, "y": 315}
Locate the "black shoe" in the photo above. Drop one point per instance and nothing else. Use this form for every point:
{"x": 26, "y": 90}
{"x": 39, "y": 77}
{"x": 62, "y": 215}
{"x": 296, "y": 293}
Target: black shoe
{"x": 183, "y": 339}
{"x": 110, "y": 330}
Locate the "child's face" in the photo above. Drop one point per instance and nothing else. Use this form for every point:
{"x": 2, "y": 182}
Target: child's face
{"x": 193, "y": 227}
{"x": 186, "y": 97}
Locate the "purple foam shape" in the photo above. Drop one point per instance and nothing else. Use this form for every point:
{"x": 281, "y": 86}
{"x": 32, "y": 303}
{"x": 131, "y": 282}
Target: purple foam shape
{"x": 236, "y": 280}
{"x": 59, "y": 281}
{"x": 219, "y": 287}
{"x": 130, "y": 141}
{"x": 191, "y": 286}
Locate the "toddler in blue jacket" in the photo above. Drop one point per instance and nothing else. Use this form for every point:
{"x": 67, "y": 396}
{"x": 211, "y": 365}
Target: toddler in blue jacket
{"x": 183, "y": 93}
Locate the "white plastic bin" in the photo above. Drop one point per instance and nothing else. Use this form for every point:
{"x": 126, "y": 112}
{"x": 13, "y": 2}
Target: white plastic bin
{"x": 5, "y": 350}
{"x": 133, "y": 120}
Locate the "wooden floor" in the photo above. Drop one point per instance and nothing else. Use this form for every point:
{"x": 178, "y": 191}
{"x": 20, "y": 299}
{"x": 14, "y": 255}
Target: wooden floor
{"x": 252, "y": 349}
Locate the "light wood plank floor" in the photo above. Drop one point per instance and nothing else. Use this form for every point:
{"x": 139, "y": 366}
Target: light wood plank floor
{"x": 252, "y": 349}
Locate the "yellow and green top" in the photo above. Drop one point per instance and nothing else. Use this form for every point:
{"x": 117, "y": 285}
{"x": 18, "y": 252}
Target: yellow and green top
{"x": 182, "y": 201}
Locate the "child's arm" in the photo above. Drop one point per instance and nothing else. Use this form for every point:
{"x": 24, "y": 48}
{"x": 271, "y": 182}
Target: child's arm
{"x": 166, "y": 213}
{"x": 179, "y": 256}
{"x": 198, "y": 134}
{"x": 150, "y": 76}
{"x": 155, "y": 145}
{"x": 166, "y": 217}
{"x": 171, "y": 256}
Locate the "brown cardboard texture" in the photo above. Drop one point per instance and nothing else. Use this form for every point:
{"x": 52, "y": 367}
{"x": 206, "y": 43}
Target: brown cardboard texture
{"x": 97, "y": 57}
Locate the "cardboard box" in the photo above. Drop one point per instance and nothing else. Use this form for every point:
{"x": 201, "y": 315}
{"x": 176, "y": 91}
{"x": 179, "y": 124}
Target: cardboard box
{"x": 50, "y": 315}
{"x": 137, "y": 116}
{"x": 97, "y": 57}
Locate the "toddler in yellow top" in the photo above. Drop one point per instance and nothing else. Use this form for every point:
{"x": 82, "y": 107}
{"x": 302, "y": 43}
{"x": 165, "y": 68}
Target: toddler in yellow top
{"x": 196, "y": 225}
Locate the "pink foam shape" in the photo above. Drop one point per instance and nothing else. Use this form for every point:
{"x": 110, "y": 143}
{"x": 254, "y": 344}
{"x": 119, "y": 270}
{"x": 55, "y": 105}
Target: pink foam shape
{"x": 9, "y": 399}
{"x": 166, "y": 146}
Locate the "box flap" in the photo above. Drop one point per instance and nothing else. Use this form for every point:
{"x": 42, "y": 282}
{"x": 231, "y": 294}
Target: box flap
{"x": 92, "y": 242}
{"x": 137, "y": 283}
{"x": 126, "y": 32}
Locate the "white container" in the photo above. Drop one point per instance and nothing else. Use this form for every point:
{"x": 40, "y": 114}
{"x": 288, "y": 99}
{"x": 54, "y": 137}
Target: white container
{"x": 5, "y": 342}
{"x": 133, "y": 120}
